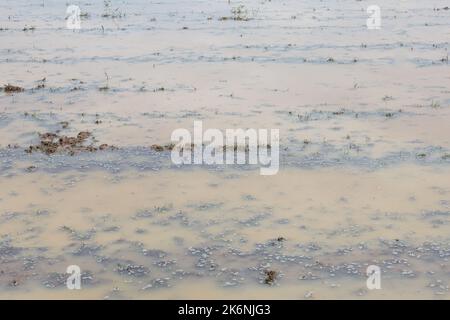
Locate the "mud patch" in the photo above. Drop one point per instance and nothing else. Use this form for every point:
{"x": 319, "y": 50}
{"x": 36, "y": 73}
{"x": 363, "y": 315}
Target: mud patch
{"x": 51, "y": 143}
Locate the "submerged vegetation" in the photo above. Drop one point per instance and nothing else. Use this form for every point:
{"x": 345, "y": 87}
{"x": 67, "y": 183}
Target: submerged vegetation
{"x": 239, "y": 13}
{"x": 110, "y": 11}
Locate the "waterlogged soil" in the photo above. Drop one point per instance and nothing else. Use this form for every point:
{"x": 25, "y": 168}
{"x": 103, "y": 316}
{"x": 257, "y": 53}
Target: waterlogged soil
{"x": 176, "y": 234}
{"x": 85, "y": 171}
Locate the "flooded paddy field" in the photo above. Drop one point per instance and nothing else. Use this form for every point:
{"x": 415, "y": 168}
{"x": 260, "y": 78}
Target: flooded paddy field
{"x": 86, "y": 179}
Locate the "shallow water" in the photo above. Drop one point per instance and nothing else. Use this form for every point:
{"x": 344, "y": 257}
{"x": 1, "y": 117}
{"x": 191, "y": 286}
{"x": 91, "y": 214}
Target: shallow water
{"x": 364, "y": 150}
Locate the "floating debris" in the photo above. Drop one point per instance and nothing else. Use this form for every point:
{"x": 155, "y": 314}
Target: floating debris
{"x": 132, "y": 270}
{"x": 51, "y": 143}
{"x": 9, "y": 88}
{"x": 160, "y": 148}
{"x": 158, "y": 283}
{"x": 271, "y": 276}
{"x": 29, "y": 28}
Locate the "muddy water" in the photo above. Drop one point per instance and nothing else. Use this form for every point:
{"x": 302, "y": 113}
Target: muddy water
{"x": 365, "y": 150}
